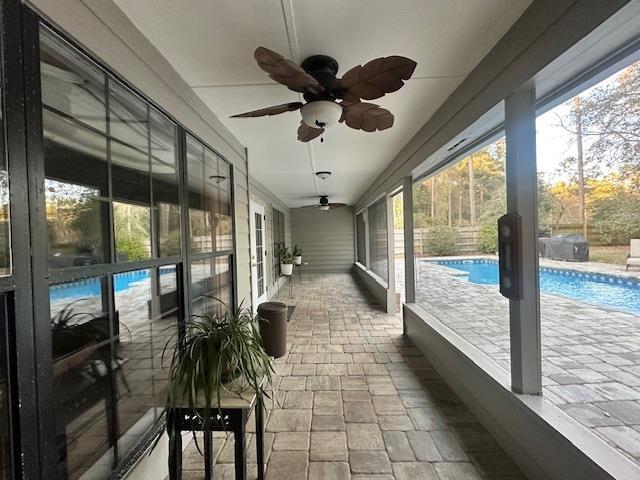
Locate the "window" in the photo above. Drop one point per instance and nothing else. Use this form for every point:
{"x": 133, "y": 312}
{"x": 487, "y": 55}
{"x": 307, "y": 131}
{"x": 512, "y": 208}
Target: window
{"x": 361, "y": 247}
{"x": 113, "y": 196}
{"x": 588, "y": 162}
{"x": 455, "y": 241}
{"x": 278, "y": 241}
{"x": 378, "y": 242}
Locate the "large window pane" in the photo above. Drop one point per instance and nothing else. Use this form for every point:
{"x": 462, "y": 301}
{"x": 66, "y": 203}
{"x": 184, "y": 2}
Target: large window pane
{"x": 71, "y": 85}
{"x": 588, "y": 161}
{"x": 203, "y": 287}
{"x": 378, "y": 240}
{"x": 132, "y": 225}
{"x": 165, "y": 185}
{"x": 224, "y": 222}
{"x": 75, "y": 184}
{"x": 82, "y": 369}
{"x": 455, "y": 240}
{"x": 146, "y": 313}
{"x": 360, "y": 235}
{"x": 201, "y": 208}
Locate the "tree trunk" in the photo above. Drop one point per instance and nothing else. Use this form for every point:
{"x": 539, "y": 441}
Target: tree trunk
{"x": 460, "y": 207}
{"x": 472, "y": 194}
{"x": 449, "y": 203}
{"x": 582, "y": 212}
{"x": 433, "y": 198}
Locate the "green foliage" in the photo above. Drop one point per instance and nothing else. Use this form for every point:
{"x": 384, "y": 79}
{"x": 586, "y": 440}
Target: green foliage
{"x": 132, "y": 246}
{"x": 441, "y": 240}
{"x": 488, "y": 237}
{"x": 217, "y": 349}
{"x": 297, "y": 251}
{"x": 285, "y": 255}
{"x": 617, "y": 219}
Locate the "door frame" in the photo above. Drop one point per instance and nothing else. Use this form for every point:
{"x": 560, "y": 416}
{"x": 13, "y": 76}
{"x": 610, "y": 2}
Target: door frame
{"x": 257, "y": 208}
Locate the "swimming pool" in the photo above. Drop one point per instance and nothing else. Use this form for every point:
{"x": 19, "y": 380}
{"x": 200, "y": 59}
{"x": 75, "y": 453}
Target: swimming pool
{"x": 91, "y": 287}
{"x": 605, "y": 290}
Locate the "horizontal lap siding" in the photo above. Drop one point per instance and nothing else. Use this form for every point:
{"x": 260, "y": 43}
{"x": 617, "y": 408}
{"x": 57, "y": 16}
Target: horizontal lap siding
{"x": 326, "y": 238}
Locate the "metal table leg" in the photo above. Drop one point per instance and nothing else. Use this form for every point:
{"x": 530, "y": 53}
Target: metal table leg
{"x": 175, "y": 444}
{"x": 240, "y": 457}
{"x": 260, "y": 438}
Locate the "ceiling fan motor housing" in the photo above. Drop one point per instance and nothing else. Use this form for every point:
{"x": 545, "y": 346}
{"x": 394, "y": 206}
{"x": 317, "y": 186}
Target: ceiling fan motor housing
{"x": 324, "y": 200}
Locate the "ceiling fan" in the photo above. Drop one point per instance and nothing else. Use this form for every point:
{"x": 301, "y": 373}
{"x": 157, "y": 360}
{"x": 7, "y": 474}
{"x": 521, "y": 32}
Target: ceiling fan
{"x": 316, "y": 79}
{"x": 325, "y": 204}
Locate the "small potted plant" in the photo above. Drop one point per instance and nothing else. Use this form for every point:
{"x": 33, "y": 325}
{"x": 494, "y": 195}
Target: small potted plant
{"x": 297, "y": 255}
{"x": 286, "y": 261}
{"x": 220, "y": 352}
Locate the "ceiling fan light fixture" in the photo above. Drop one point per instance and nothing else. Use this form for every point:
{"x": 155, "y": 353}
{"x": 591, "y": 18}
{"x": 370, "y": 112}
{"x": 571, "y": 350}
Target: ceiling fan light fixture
{"x": 324, "y": 208}
{"x": 321, "y": 113}
{"x": 323, "y": 175}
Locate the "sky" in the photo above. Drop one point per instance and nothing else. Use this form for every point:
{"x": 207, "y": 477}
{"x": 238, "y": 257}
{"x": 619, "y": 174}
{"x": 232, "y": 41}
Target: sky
{"x": 553, "y": 143}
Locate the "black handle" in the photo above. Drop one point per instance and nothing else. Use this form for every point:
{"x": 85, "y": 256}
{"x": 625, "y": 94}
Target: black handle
{"x": 510, "y": 255}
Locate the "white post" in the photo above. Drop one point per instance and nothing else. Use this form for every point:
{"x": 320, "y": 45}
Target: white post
{"x": 520, "y": 128}
{"x": 409, "y": 260}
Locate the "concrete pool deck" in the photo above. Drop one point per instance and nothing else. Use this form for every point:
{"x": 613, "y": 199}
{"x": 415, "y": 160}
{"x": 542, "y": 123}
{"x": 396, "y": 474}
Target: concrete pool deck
{"x": 590, "y": 354}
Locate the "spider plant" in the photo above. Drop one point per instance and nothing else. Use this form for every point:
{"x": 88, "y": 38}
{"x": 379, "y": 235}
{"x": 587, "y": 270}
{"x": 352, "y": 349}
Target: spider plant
{"x": 220, "y": 352}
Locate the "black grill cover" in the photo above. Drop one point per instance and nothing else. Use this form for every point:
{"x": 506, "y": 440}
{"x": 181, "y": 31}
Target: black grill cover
{"x": 566, "y": 246}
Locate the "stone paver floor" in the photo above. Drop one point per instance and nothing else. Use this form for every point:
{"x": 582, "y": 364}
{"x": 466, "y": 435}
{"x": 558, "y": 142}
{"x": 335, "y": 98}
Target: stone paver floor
{"x": 590, "y": 354}
{"x": 355, "y": 400}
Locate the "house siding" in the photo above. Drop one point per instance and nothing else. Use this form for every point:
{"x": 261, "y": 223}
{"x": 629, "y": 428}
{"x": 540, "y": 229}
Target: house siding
{"x": 326, "y": 238}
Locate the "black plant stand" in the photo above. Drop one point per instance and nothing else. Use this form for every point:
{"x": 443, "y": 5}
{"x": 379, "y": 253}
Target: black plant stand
{"x": 231, "y": 418}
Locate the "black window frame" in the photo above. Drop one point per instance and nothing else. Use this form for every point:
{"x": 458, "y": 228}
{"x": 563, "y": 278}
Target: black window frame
{"x": 29, "y": 352}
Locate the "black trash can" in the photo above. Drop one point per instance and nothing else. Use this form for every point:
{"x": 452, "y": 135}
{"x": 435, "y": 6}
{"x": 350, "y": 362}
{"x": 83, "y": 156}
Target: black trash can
{"x": 272, "y": 321}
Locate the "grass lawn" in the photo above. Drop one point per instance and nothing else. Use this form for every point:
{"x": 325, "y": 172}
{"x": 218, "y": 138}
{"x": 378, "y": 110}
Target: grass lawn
{"x": 609, "y": 254}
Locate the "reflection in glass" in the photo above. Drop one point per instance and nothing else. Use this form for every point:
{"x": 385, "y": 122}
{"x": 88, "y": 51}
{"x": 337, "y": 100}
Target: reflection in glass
{"x": 378, "y": 251}
{"x": 203, "y": 287}
{"x": 224, "y": 278}
{"x": 5, "y": 254}
{"x": 132, "y": 224}
{"x": 71, "y": 85}
{"x": 5, "y": 439}
{"x": 146, "y": 320}
{"x": 360, "y": 236}
{"x": 82, "y": 371}
{"x": 224, "y": 223}
{"x": 165, "y": 185}
{"x": 75, "y": 182}
{"x": 130, "y": 173}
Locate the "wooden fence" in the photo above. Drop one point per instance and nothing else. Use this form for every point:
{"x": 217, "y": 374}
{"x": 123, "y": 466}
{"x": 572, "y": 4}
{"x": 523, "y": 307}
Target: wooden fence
{"x": 467, "y": 240}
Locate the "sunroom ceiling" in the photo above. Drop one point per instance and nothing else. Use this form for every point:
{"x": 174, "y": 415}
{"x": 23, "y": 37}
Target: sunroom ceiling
{"x": 211, "y": 44}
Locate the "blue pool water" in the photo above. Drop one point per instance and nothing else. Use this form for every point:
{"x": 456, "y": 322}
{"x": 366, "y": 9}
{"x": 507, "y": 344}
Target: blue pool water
{"x": 90, "y": 287}
{"x": 606, "y": 290}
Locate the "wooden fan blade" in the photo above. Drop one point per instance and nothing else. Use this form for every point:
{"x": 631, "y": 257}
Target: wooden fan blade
{"x": 275, "y": 110}
{"x": 286, "y": 72}
{"x": 336, "y": 205}
{"x": 368, "y": 117}
{"x": 377, "y": 77}
{"x": 307, "y": 133}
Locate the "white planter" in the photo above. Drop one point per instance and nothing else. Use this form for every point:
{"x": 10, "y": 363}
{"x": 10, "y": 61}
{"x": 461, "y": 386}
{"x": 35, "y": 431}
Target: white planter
{"x": 286, "y": 268}
{"x": 297, "y": 260}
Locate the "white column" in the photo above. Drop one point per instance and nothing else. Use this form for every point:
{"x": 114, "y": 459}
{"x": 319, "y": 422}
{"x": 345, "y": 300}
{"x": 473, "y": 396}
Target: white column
{"x": 409, "y": 257}
{"x": 520, "y": 128}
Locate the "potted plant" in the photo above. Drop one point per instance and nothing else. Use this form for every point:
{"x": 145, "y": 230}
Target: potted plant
{"x": 286, "y": 261}
{"x": 297, "y": 255}
{"x": 220, "y": 352}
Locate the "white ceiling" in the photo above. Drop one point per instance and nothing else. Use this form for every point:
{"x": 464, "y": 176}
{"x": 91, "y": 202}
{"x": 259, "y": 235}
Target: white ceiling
{"x": 211, "y": 44}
